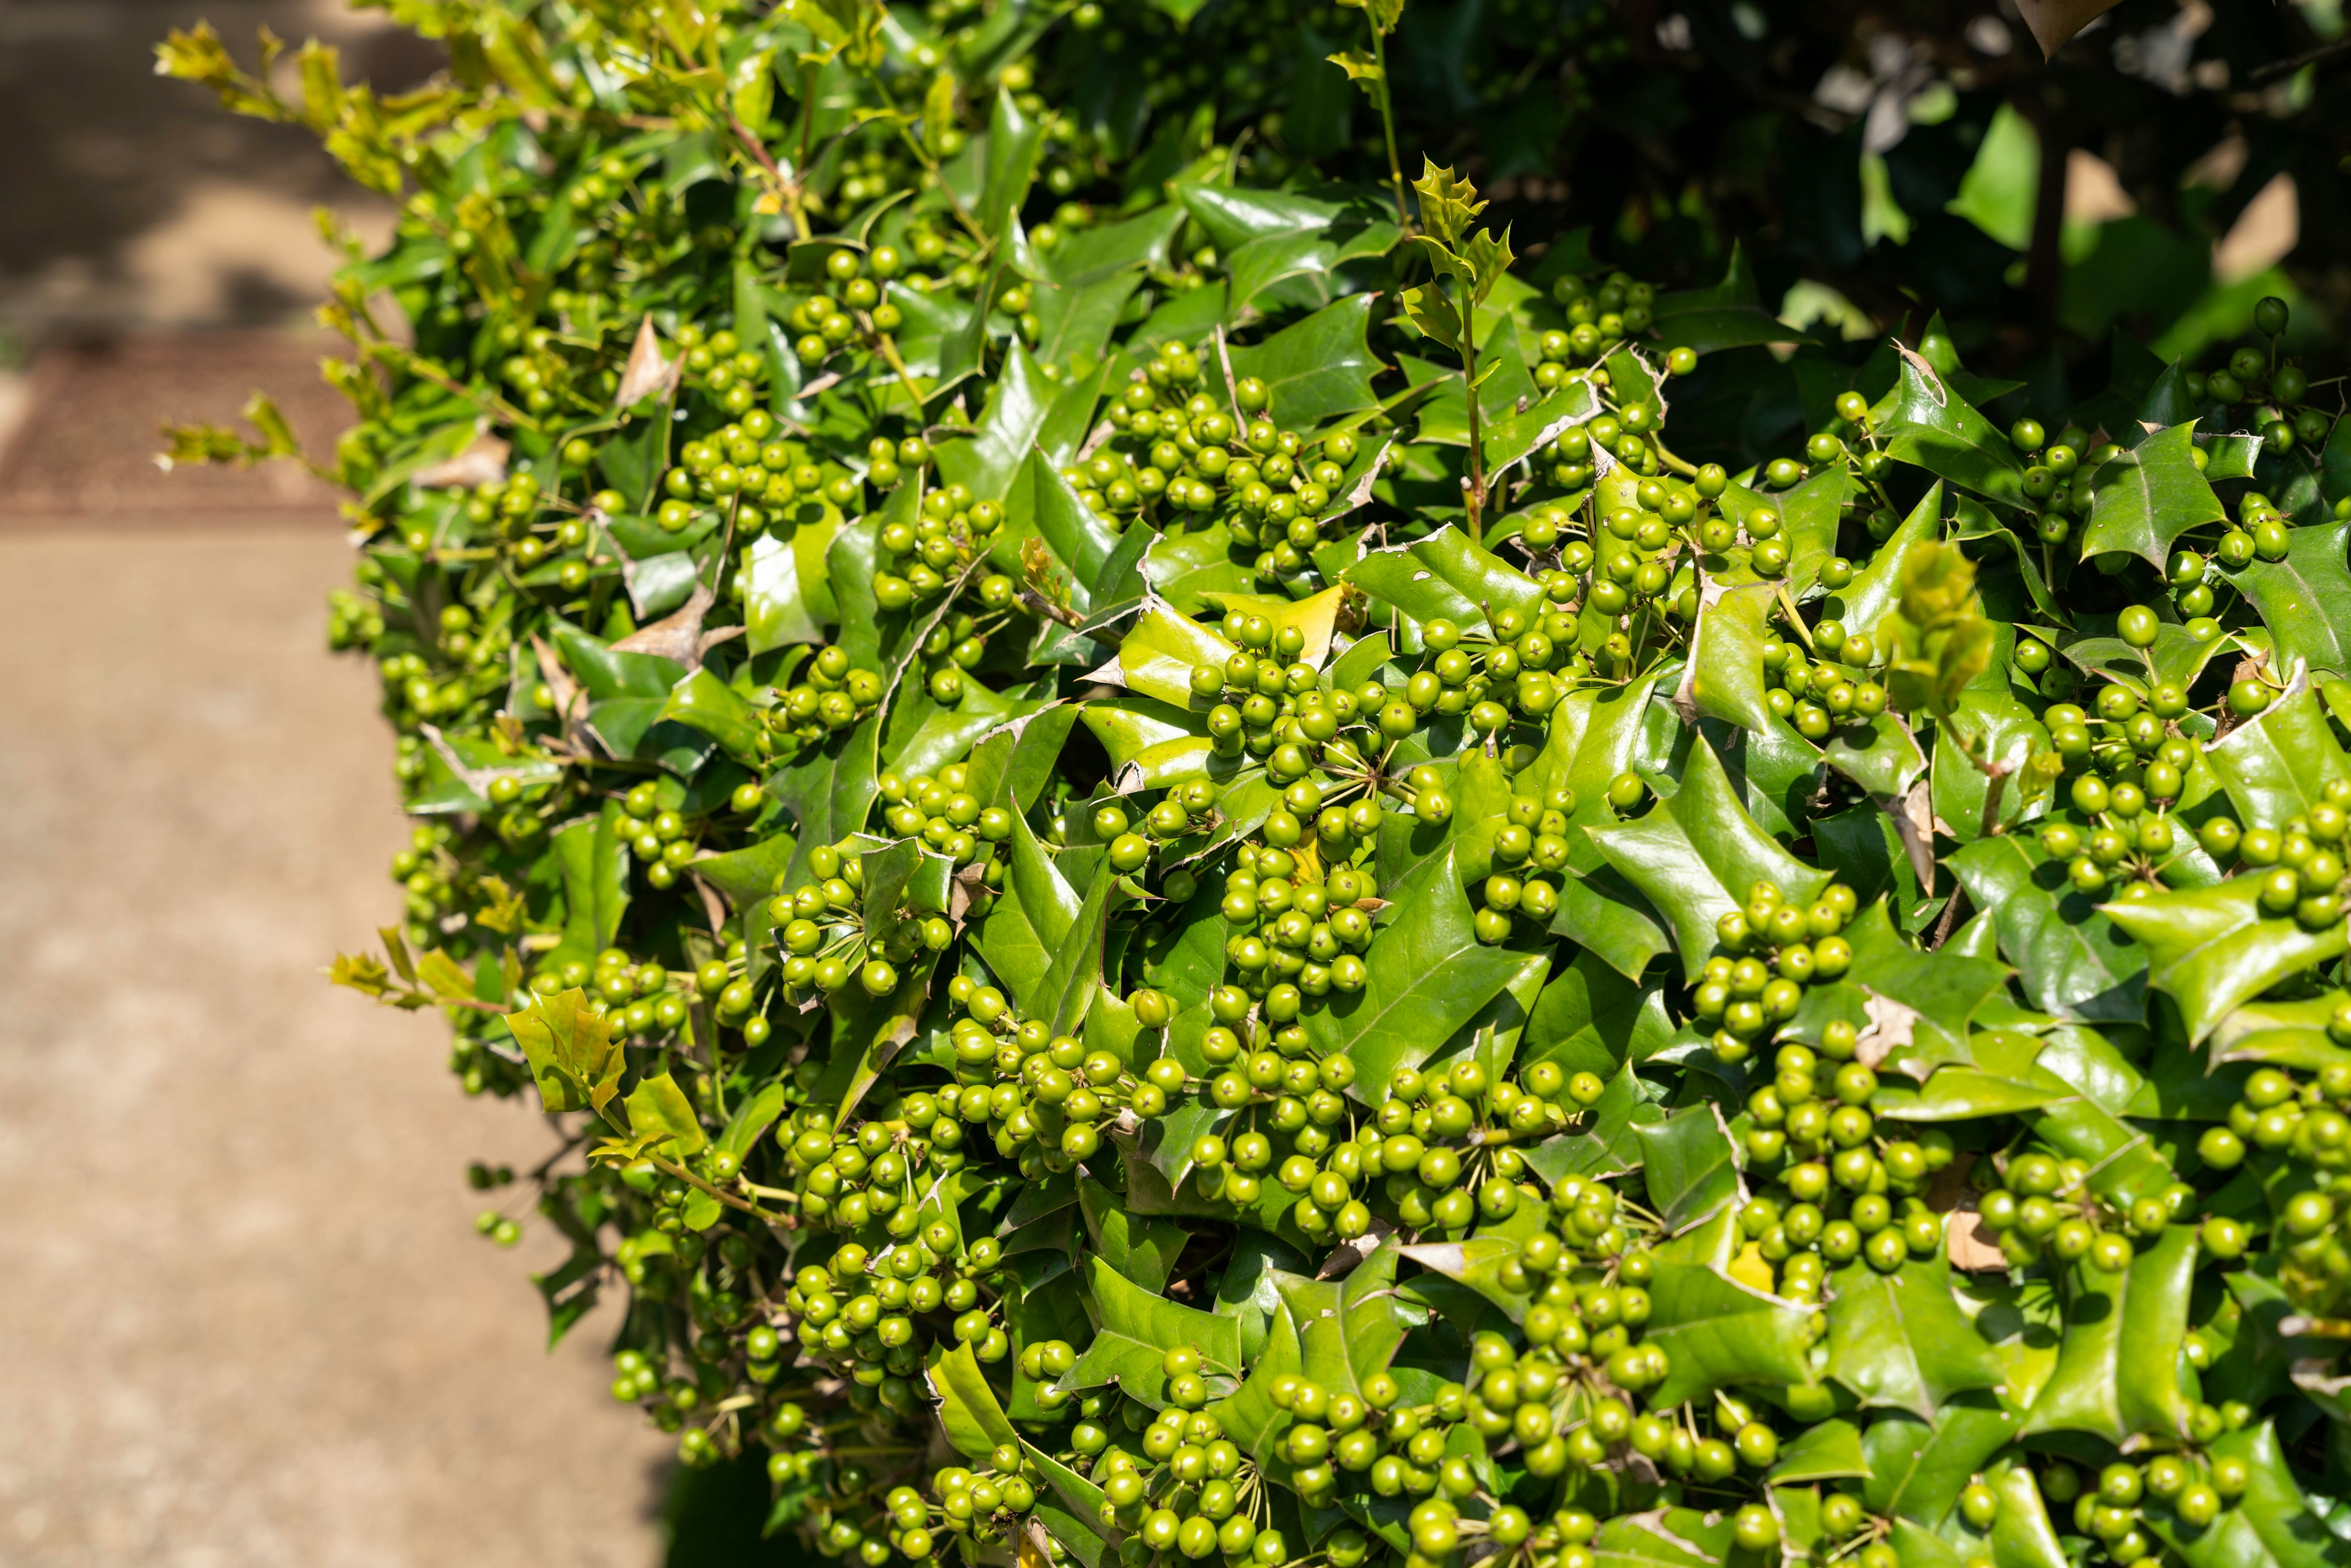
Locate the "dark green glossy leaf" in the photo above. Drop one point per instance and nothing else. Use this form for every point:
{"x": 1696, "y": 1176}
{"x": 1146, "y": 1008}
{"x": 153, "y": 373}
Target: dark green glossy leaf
{"x": 1698, "y": 852}
{"x": 703, "y": 702}
{"x": 1317, "y": 369}
{"x": 1718, "y": 1333}
{"x": 1918, "y": 1468}
{"x": 830, "y": 789}
{"x": 1932, "y": 427}
{"x": 2149, "y": 495}
{"x": 1725, "y": 677}
{"x": 2305, "y": 599}
{"x": 2280, "y": 1034}
{"x": 2072, "y": 960}
{"x": 593, "y": 862}
{"x": 969, "y": 1412}
{"x": 1014, "y": 142}
{"x": 1446, "y": 575}
{"x": 2210, "y": 949}
{"x": 2277, "y": 765}
{"x": 2118, "y": 1371}
{"x": 1900, "y": 1339}
{"x": 1943, "y": 988}
{"x": 1880, "y": 755}
{"x": 1138, "y": 1328}
{"x": 1429, "y": 976}
{"x": 986, "y": 460}
{"x": 1862, "y": 603}
{"x": 1071, "y": 1507}
{"x": 1689, "y": 1165}
{"x": 2272, "y": 1526}
{"x": 1824, "y": 1451}
{"x": 1349, "y": 1328}
{"x": 1143, "y": 1248}
{"x": 2091, "y": 1124}
{"x": 1031, "y": 921}
{"x": 786, "y": 597}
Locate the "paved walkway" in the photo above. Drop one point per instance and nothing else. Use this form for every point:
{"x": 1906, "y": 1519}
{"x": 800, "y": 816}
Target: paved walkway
{"x": 245, "y": 1321}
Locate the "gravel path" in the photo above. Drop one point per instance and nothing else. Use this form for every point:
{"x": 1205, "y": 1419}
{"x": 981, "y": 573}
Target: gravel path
{"x": 244, "y": 1319}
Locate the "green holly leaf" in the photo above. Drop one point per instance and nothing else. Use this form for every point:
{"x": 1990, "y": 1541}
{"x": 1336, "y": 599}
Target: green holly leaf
{"x": 1724, "y": 677}
{"x": 2272, "y": 1526}
{"x": 969, "y": 1413}
{"x": 1138, "y": 1328}
{"x": 1899, "y": 1339}
{"x": 2277, "y": 765}
{"x": 658, "y": 1108}
{"x": 2146, "y": 497}
{"x": 1032, "y": 920}
{"x": 1429, "y": 974}
{"x": 1349, "y": 1328}
{"x": 1698, "y": 852}
{"x": 1690, "y": 1166}
{"x": 2074, "y": 961}
{"x": 1930, "y": 425}
{"x": 2304, "y": 600}
{"x": 1445, "y": 574}
{"x": 1919, "y": 1466}
{"x": 573, "y": 1057}
{"x": 2211, "y": 949}
{"x": 1718, "y": 1333}
{"x": 2117, "y": 1373}
{"x": 1317, "y": 369}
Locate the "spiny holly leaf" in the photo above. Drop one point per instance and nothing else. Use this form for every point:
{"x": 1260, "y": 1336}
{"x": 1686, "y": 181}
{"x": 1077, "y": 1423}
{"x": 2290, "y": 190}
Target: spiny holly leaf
{"x": 2146, "y": 497}
{"x": 573, "y": 1057}
{"x": 969, "y": 1412}
{"x": 2277, "y": 765}
{"x": 2072, "y": 960}
{"x": 1900, "y": 1339}
{"x": 1429, "y": 974}
{"x": 1698, "y": 852}
{"x": 2305, "y": 601}
{"x": 1718, "y": 1333}
{"x": 2118, "y": 1369}
{"x": 1138, "y": 1328}
{"x": 2210, "y": 949}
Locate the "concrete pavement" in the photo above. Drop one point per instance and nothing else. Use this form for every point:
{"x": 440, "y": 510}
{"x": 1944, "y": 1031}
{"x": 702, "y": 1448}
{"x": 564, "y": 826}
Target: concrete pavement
{"x": 244, "y": 1318}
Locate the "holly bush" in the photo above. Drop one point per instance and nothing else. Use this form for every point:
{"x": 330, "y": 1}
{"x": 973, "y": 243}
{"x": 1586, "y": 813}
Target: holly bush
{"x": 1178, "y": 891}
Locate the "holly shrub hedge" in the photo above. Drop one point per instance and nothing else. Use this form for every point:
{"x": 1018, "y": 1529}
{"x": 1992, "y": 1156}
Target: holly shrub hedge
{"x": 1180, "y": 892}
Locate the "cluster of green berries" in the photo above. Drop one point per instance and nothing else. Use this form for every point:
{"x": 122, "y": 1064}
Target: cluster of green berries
{"x": 2305, "y": 1123}
{"x": 1774, "y": 947}
{"x": 951, "y": 532}
{"x": 1297, "y": 931}
{"x": 871, "y": 1315}
{"x": 745, "y": 465}
{"x": 2045, "y": 1206}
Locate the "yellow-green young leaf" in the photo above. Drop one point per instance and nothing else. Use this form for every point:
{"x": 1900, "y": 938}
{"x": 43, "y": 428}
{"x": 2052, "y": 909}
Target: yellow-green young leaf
{"x": 658, "y": 1108}
{"x": 322, "y": 84}
{"x": 505, "y": 909}
{"x": 444, "y": 975}
{"x": 1360, "y": 67}
{"x": 573, "y": 1055}
{"x": 362, "y": 972}
{"x": 1433, "y": 316}
{"x": 1448, "y": 206}
{"x": 1383, "y": 15}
